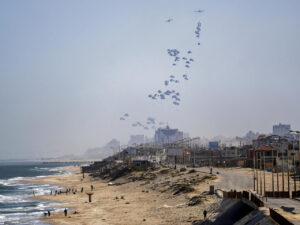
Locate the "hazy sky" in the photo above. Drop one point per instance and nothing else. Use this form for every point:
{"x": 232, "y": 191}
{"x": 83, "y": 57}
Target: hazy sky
{"x": 70, "y": 69}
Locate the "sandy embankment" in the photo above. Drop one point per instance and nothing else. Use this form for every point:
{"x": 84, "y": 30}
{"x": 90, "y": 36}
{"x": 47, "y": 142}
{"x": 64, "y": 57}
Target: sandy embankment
{"x": 145, "y": 202}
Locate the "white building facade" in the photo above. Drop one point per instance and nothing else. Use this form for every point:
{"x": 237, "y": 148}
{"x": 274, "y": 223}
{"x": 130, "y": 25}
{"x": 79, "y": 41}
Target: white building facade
{"x": 282, "y": 130}
{"x": 167, "y": 135}
{"x": 136, "y": 139}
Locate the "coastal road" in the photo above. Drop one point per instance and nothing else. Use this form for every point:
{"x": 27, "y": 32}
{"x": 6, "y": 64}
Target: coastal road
{"x": 240, "y": 180}
{"x": 286, "y": 204}
{"x": 230, "y": 179}
{"x": 290, "y": 208}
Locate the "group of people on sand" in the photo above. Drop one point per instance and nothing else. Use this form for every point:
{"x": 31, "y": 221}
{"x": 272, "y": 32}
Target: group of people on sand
{"x": 48, "y": 213}
{"x": 68, "y": 190}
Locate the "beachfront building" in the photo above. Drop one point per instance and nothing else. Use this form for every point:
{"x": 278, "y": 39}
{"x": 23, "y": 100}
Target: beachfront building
{"x": 136, "y": 139}
{"x": 282, "y": 130}
{"x": 267, "y": 154}
{"x": 167, "y": 135}
{"x": 275, "y": 141}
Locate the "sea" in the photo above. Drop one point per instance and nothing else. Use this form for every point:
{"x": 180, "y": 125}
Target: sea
{"x": 16, "y": 204}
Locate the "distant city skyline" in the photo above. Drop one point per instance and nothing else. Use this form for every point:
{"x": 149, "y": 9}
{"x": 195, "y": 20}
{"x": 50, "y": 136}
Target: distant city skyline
{"x": 70, "y": 69}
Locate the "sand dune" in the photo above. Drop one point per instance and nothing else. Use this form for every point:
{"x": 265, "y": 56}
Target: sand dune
{"x": 145, "y": 202}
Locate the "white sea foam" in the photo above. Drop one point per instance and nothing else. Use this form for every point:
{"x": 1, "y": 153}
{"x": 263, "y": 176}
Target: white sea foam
{"x": 17, "y": 178}
{"x": 24, "y": 210}
{"x": 58, "y": 170}
{"x": 4, "y": 198}
{"x": 5, "y": 182}
{"x": 21, "y": 218}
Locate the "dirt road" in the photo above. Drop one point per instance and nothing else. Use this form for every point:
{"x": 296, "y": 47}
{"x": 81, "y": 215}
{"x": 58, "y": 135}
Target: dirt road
{"x": 230, "y": 179}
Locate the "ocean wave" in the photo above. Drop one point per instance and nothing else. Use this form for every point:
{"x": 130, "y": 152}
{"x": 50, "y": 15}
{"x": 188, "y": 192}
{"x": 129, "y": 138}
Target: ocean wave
{"x": 58, "y": 170}
{"x": 5, "y": 198}
{"x": 27, "y": 215}
{"x": 40, "y": 176}
{"x": 13, "y": 198}
{"x": 16, "y": 206}
{"x": 22, "y": 218}
{"x": 18, "y": 178}
{"x": 4, "y": 182}
{"x": 15, "y": 181}
{"x": 19, "y": 190}
{"x": 40, "y": 169}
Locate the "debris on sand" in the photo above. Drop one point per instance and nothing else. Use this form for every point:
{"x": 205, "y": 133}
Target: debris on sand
{"x": 168, "y": 206}
{"x": 182, "y": 169}
{"x": 203, "y": 179}
{"x": 192, "y": 171}
{"x": 165, "y": 171}
{"x": 196, "y": 200}
{"x": 182, "y": 188}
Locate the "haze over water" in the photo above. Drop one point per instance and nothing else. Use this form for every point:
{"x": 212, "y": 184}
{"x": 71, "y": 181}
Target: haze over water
{"x": 70, "y": 69}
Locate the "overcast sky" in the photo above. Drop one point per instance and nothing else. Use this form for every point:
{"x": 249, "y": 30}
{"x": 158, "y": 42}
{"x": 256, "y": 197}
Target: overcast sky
{"x": 70, "y": 69}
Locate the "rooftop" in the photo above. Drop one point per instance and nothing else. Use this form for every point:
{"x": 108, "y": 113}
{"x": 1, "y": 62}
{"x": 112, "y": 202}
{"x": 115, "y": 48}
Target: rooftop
{"x": 266, "y": 148}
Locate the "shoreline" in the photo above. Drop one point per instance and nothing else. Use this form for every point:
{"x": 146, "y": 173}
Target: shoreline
{"x": 142, "y": 201}
{"x": 52, "y": 180}
{"x": 138, "y": 202}
{"x": 19, "y": 186}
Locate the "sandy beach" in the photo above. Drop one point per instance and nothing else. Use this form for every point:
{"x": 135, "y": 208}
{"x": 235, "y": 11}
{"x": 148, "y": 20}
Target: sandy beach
{"x": 149, "y": 200}
{"x": 145, "y": 201}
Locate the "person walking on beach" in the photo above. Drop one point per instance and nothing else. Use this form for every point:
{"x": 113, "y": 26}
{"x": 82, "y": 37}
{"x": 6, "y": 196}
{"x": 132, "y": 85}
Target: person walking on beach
{"x": 92, "y": 187}
{"x": 66, "y": 212}
{"x": 49, "y": 214}
{"x": 204, "y": 214}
